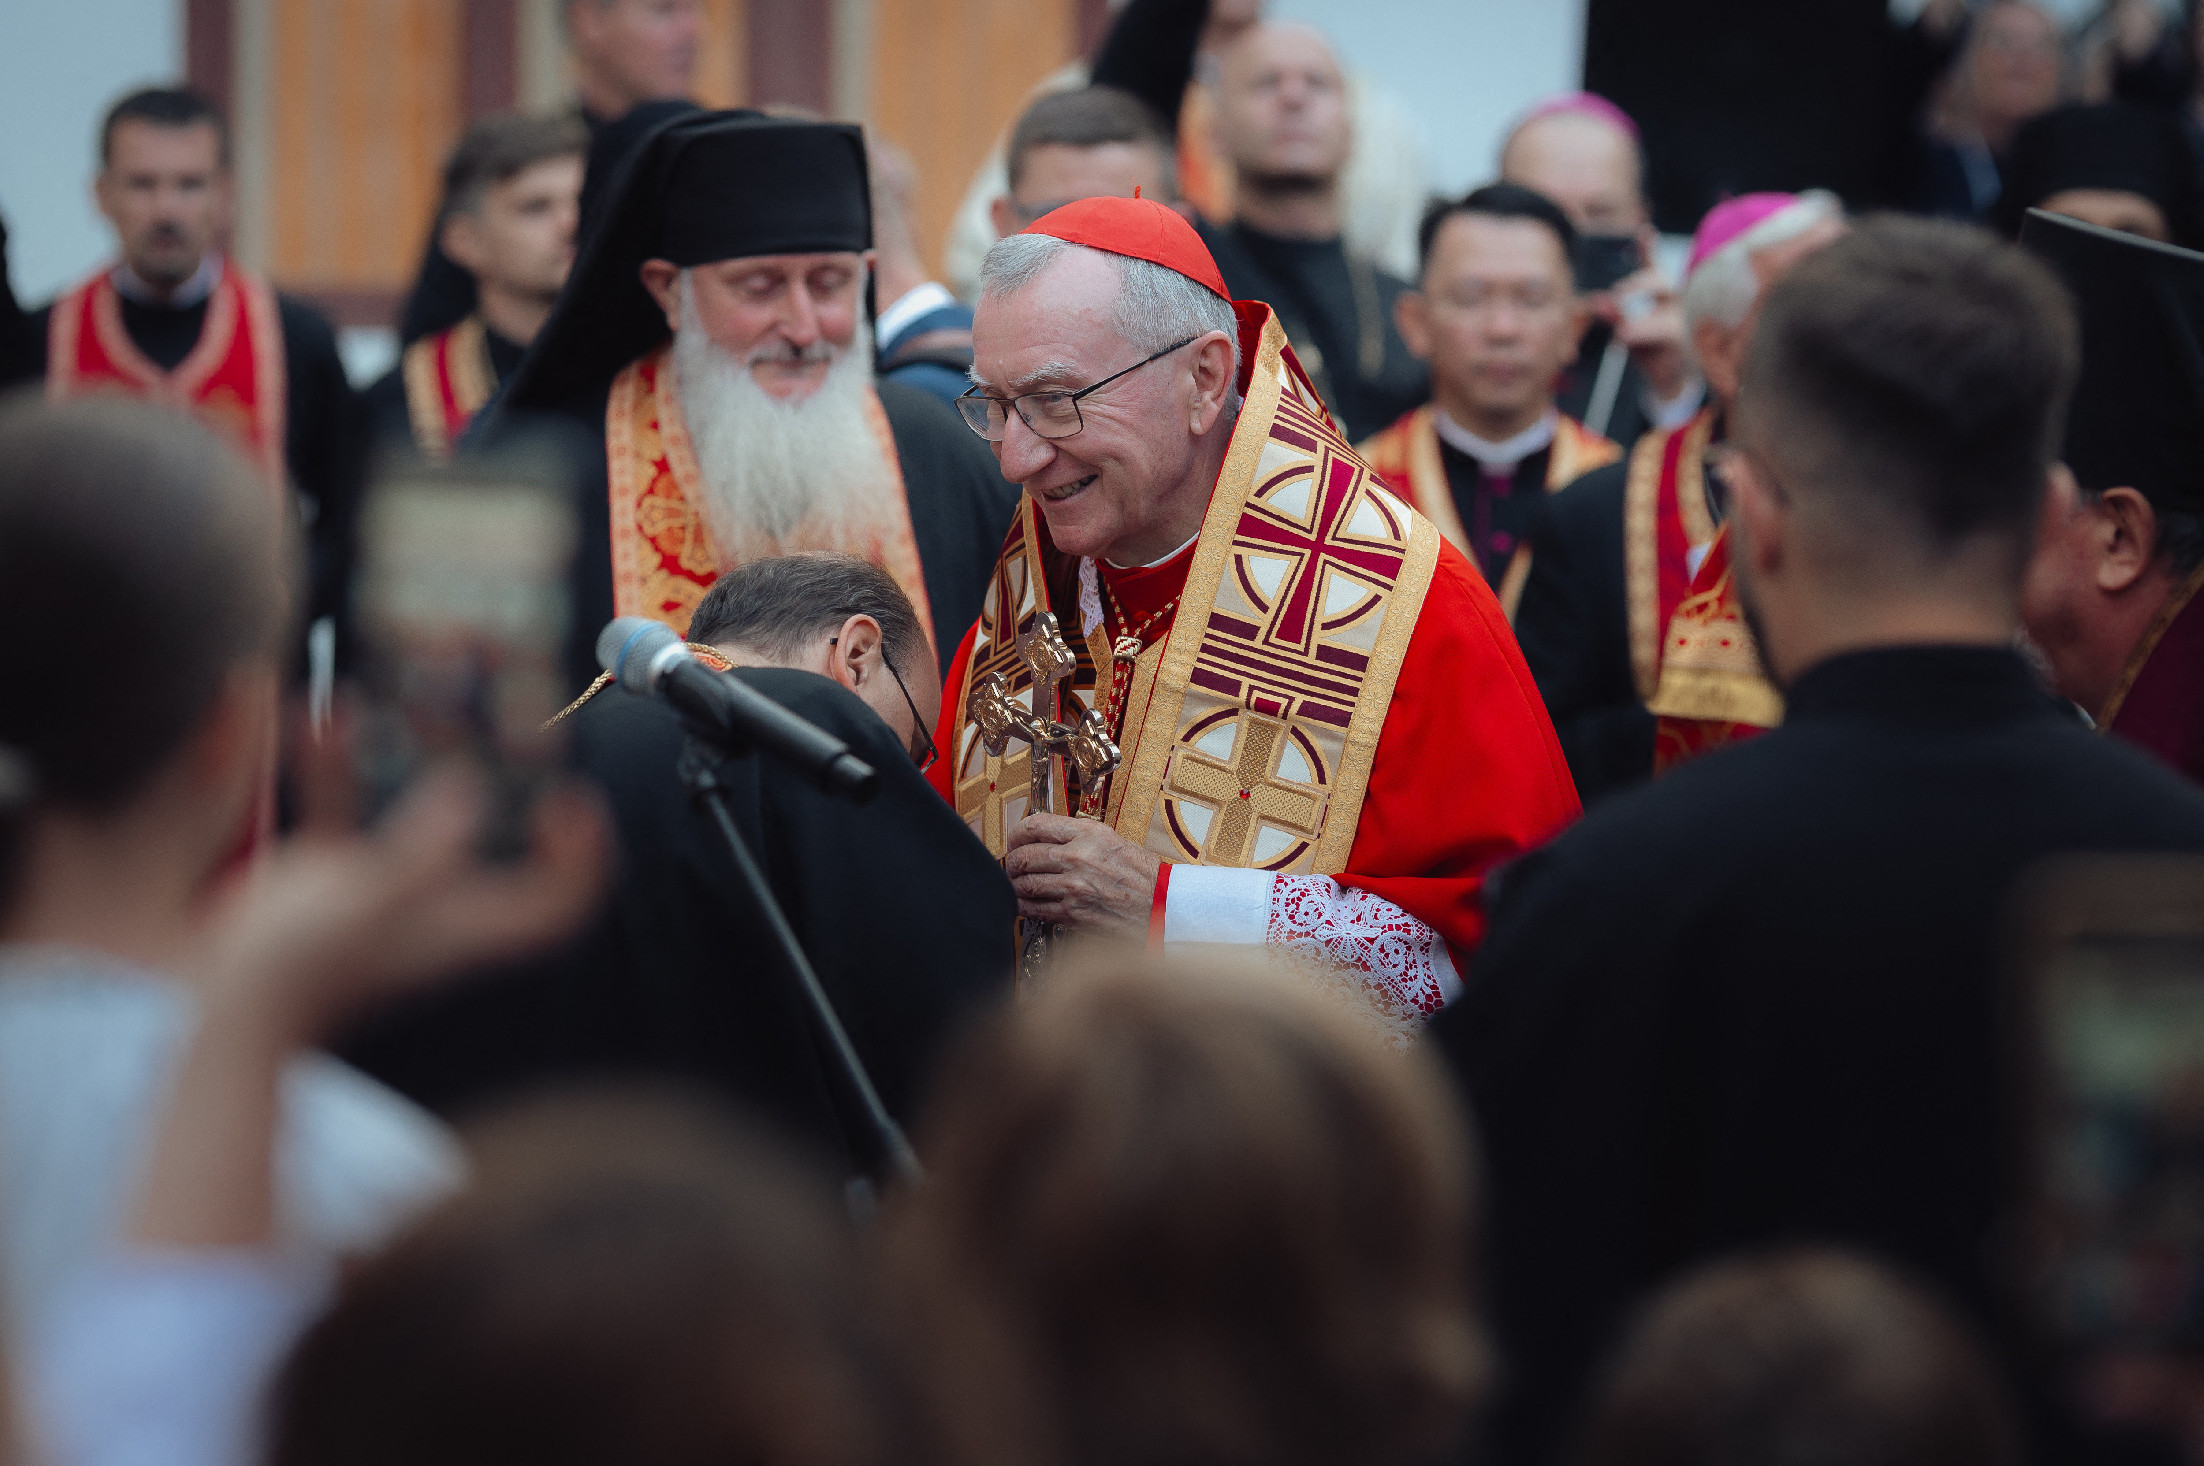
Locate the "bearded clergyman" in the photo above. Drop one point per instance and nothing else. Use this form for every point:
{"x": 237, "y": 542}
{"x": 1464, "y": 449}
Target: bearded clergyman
{"x": 717, "y": 333}
{"x": 1325, "y": 734}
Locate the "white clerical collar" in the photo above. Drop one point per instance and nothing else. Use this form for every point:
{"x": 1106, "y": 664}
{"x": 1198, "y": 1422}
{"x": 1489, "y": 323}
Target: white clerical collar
{"x": 908, "y": 307}
{"x": 132, "y": 287}
{"x": 1152, "y": 564}
{"x": 1502, "y": 456}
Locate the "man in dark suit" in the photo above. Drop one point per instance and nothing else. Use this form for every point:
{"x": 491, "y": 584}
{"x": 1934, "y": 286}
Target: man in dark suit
{"x": 1782, "y": 1024}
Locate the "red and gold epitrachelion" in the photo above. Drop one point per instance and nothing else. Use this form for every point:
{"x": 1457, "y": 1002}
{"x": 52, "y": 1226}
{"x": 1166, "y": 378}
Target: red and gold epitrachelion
{"x": 448, "y": 379}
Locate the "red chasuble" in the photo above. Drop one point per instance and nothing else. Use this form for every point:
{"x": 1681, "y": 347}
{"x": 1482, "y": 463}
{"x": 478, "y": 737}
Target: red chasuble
{"x": 1406, "y": 456}
{"x": 448, "y": 379}
{"x": 1712, "y": 689}
{"x": 2159, "y": 704}
{"x": 1330, "y": 738}
{"x": 233, "y": 378}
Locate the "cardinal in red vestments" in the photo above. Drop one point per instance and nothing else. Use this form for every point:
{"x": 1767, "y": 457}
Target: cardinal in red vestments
{"x": 1325, "y": 735}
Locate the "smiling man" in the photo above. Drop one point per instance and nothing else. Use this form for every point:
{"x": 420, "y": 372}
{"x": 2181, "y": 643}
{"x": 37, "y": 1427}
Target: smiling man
{"x": 1328, "y": 735}
{"x": 716, "y": 332}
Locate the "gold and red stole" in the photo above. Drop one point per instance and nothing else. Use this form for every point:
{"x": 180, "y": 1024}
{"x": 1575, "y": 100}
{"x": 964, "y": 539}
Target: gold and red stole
{"x": 233, "y": 377}
{"x": 448, "y": 379}
{"x": 663, "y": 558}
{"x": 1250, "y": 729}
{"x": 1664, "y": 518}
{"x": 1406, "y": 456}
{"x": 1712, "y": 689}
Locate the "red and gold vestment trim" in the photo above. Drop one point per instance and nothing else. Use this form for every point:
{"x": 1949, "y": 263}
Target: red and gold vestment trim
{"x": 663, "y": 557}
{"x": 233, "y": 377}
{"x": 1250, "y": 730}
{"x": 1664, "y": 518}
{"x": 1712, "y": 690}
{"x": 448, "y": 379}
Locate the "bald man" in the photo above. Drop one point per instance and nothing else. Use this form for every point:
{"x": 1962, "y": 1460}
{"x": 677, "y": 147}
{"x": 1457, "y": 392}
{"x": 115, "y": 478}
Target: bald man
{"x": 1631, "y": 372}
{"x": 1282, "y": 120}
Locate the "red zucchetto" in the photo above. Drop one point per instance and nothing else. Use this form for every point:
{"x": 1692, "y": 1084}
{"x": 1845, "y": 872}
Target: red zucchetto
{"x": 1138, "y": 228}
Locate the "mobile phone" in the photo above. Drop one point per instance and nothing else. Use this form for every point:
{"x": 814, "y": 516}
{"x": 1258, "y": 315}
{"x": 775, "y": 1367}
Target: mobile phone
{"x": 463, "y": 601}
{"x": 2111, "y": 1227}
{"x": 1605, "y": 260}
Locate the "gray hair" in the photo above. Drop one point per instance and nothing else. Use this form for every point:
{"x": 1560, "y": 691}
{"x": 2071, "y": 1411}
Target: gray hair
{"x": 1155, "y": 306}
{"x": 1725, "y": 285}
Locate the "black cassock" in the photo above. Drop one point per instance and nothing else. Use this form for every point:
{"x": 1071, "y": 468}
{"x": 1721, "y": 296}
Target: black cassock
{"x": 901, "y": 910}
{"x": 1757, "y": 1001}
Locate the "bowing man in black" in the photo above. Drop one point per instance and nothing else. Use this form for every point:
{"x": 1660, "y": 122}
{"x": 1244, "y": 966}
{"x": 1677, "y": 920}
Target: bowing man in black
{"x": 900, "y": 909}
{"x": 1781, "y": 1025}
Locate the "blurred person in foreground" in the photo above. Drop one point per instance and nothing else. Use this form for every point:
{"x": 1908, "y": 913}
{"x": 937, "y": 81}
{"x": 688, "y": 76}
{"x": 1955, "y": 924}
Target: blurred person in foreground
{"x": 1620, "y": 553}
{"x": 922, "y": 334}
{"x": 1283, "y": 120}
{"x": 512, "y": 191}
{"x": 1327, "y": 734}
{"x": 900, "y": 909}
{"x": 624, "y": 1279}
{"x": 128, "y": 806}
{"x": 1497, "y": 315}
{"x": 2011, "y": 67}
{"x": 2112, "y": 595}
{"x": 1801, "y": 1355}
{"x": 1785, "y": 1019}
{"x": 715, "y": 333}
{"x": 176, "y": 320}
{"x": 2112, "y": 165}
{"x": 1188, "y": 1212}
{"x": 1632, "y": 370}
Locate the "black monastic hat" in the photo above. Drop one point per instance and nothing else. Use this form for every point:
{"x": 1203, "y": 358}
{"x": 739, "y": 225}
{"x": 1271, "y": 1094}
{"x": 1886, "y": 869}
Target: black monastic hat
{"x": 2138, "y": 415}
{"x": 702, "y": 186}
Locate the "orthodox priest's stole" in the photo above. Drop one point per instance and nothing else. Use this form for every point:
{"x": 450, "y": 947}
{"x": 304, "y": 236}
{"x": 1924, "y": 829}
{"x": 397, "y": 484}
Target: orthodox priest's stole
{"x": 232, "y": 378}
{"x": 1248, "y": 732}
{"x": 448, "y": 379}
{"x": 663, "y": 556}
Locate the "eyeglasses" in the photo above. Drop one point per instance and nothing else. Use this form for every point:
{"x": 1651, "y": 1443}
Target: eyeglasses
{"x": 926, "y": 755}
{"x": 1050, "y": 414}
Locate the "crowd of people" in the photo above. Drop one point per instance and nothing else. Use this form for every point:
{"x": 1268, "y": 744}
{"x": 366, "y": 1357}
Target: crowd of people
{"x": 1444, "y": 860}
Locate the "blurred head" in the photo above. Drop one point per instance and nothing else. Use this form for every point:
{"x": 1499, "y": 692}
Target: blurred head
{"x": 2010, "y": 67}
{"x": 630, "y": 51}
{"x": 622, "y": 1280}
{"x": 164, "y": 182}
{"x": 1055, "y": 316}
{"x": 1282, "y": 109}
{"x": 1732, "y": 271}
{"x": 1084, "y": 144}
{"x": 1900, "y": 409}
{"x": 187, "y": 547}
{"x": 1799, "y": 1357}
{"x": 2110, "y": 164}
{"x": 1190, "y": 1213}
{"x": 1586, "y": 161}
{"x": 512, "y": 194}
{"x": 2106, "y": 561}
{"x": 835, "y": 615}
{"x": 1496, "y": 311}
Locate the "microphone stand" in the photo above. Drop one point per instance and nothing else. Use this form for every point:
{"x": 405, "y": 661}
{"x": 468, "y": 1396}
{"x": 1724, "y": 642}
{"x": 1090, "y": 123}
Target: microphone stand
{"x": 699, "y": 769}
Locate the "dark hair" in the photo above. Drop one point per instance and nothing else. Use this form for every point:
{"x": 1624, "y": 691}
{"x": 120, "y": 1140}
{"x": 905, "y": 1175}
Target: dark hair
{"x": 1918, "y": 367}
{"x": 1802, "y": 1356}
{"x": 780, "y": 605}
{"x": 136, "y": 529}
{"x": 1189, "y": 1212}
{"x": 1088, "y": 118}
{"x": 501, "y": 147}
{"x": 1499, "y": 201}
{"x": 624, "y": 1279}
{"x": 163, "y": 107}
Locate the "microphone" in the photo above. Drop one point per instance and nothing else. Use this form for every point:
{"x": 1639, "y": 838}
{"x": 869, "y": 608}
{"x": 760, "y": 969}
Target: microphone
{"x": 647, "y": 659}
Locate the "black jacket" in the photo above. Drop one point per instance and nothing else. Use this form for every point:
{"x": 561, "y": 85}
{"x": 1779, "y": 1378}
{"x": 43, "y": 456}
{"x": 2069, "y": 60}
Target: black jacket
{"x": 1757, "y": 1000}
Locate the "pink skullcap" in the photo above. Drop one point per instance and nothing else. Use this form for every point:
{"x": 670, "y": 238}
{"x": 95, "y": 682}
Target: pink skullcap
{"x": 1580, "y": 104}
{"x": 1731, "y": 218}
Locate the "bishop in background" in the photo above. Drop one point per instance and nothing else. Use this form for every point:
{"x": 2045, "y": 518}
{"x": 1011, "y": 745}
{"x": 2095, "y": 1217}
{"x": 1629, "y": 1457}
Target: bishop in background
{"x": 716, "y": 332}
{"x": 1327, "y": 734}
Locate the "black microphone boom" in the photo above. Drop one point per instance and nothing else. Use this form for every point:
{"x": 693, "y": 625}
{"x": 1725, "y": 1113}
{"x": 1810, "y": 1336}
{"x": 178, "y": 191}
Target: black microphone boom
{"x": 648, "y": 659}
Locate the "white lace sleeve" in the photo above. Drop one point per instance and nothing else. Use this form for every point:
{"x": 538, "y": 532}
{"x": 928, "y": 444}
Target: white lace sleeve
{"x": 1404, "y": 962}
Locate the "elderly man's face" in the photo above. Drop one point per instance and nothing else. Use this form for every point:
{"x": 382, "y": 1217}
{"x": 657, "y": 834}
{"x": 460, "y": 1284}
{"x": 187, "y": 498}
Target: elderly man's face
{"x": 786, "y": 317}
{"x": 1282, "y": 105}
{"x": 1108, "y": 489}
{"x": 1585, "y": 165}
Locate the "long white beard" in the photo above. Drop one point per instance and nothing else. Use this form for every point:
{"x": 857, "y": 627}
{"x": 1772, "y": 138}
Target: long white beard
{"x": 781, "y": 475}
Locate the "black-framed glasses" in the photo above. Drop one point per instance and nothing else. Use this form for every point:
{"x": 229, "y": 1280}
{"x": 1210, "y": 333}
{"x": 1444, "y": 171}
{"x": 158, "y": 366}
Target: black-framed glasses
{"x": 926, "y": 754}
{"x": 1053, "y": 413}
